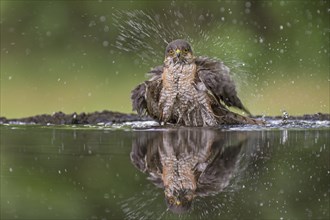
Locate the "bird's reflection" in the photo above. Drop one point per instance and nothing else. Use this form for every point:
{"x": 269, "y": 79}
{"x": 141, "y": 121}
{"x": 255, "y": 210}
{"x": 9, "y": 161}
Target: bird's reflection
{"x": 187, "y": 162}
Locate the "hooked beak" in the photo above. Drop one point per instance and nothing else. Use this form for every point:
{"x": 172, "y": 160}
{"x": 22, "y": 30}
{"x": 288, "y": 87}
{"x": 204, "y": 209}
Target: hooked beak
{"x": 177, "y": 53}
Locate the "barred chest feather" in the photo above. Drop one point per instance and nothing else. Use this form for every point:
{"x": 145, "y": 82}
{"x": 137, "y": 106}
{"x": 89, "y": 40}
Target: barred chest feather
{"x": 182, "y": 100}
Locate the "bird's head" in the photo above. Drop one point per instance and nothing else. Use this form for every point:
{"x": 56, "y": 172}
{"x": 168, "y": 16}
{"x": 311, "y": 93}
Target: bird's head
{"x": 179, "y": 201}
{"x": 178, "y": 51}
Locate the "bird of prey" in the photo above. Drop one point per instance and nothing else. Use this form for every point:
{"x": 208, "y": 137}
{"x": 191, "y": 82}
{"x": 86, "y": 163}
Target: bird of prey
{"x": 188, "y": 90}
{"x": 187, "y": 162}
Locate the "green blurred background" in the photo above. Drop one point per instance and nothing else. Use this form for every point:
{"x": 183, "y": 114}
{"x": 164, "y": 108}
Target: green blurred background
{"x": 75, "y": 56}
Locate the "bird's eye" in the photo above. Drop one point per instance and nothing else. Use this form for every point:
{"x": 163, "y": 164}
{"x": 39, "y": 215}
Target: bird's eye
{"x": 185, "y": 50}
{"x": 171, "y": 52}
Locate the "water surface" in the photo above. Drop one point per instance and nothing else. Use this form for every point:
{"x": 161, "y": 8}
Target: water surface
{"x": 111, "y": 173}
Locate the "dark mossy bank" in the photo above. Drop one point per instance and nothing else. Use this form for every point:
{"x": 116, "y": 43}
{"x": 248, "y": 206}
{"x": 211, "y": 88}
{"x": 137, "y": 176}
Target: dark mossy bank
{"x": 110, "y": 117}
{"x": 60, "y": 118}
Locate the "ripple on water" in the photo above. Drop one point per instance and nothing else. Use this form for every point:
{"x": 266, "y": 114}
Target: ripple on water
{"x": 270, "y": 124}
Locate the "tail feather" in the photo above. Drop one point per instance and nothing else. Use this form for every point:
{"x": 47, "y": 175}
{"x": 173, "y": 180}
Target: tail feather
{"x": 234, "y": 118}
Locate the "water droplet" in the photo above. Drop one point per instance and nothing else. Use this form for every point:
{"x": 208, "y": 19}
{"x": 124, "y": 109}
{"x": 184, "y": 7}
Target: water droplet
{"x": 105, "y": 43}
{"x": 106, "y": 196}
{"x": 91, "y": 24}
{"x": 103, "y": 18}
{"x": 106, "y": 28}
{"x": 201, "y": 18}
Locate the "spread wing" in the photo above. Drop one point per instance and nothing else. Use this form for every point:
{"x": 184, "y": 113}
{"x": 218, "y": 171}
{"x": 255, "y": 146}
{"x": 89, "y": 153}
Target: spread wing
{"x": 215, "y": 75}
{"x": 145, "y": 157}
{"x": 146, "y": 95}
{"x": 220, "y": 171}
{"x": 138, "y": 99}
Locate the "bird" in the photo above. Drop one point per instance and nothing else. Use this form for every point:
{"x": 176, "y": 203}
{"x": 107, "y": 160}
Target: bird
{"x": 187, "y": 162}
{"x": 190, "y": 91}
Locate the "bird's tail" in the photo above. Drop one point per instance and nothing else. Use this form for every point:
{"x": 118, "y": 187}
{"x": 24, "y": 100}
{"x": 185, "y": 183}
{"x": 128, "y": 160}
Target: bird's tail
{"x": 232, "y": 118}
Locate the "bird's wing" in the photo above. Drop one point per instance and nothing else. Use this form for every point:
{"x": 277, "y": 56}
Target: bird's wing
{"x": 145, "y": 157}
{"x": 139, "y": 102}
{"x": 215, "y": 75}
{"x": 144, "y": 97}
{"x": 157, "y": 71}
{"x": 220, "y": 171}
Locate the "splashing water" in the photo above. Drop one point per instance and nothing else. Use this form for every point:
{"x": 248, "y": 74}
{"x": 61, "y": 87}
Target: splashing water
{"x": 273, "y": 124}
{"x": 145, "y": 33}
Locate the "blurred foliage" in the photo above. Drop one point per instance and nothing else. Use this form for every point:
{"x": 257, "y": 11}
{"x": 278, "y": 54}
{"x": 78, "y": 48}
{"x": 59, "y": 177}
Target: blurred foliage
{"x": 88, "y": 55}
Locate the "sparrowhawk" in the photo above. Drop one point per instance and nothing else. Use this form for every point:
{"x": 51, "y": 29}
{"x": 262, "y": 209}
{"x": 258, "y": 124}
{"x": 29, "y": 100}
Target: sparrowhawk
{"x": 188, "y": 162}
{"x": 189, "y": 90}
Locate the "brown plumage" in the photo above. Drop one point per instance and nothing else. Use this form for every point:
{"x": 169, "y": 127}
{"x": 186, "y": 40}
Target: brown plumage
{"x": 188, "y": 162}
{"x": 188, "y": 90}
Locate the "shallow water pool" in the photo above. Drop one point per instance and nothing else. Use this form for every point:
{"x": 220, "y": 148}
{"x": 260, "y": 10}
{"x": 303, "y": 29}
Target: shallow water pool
{"x": 118, "y": 172}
